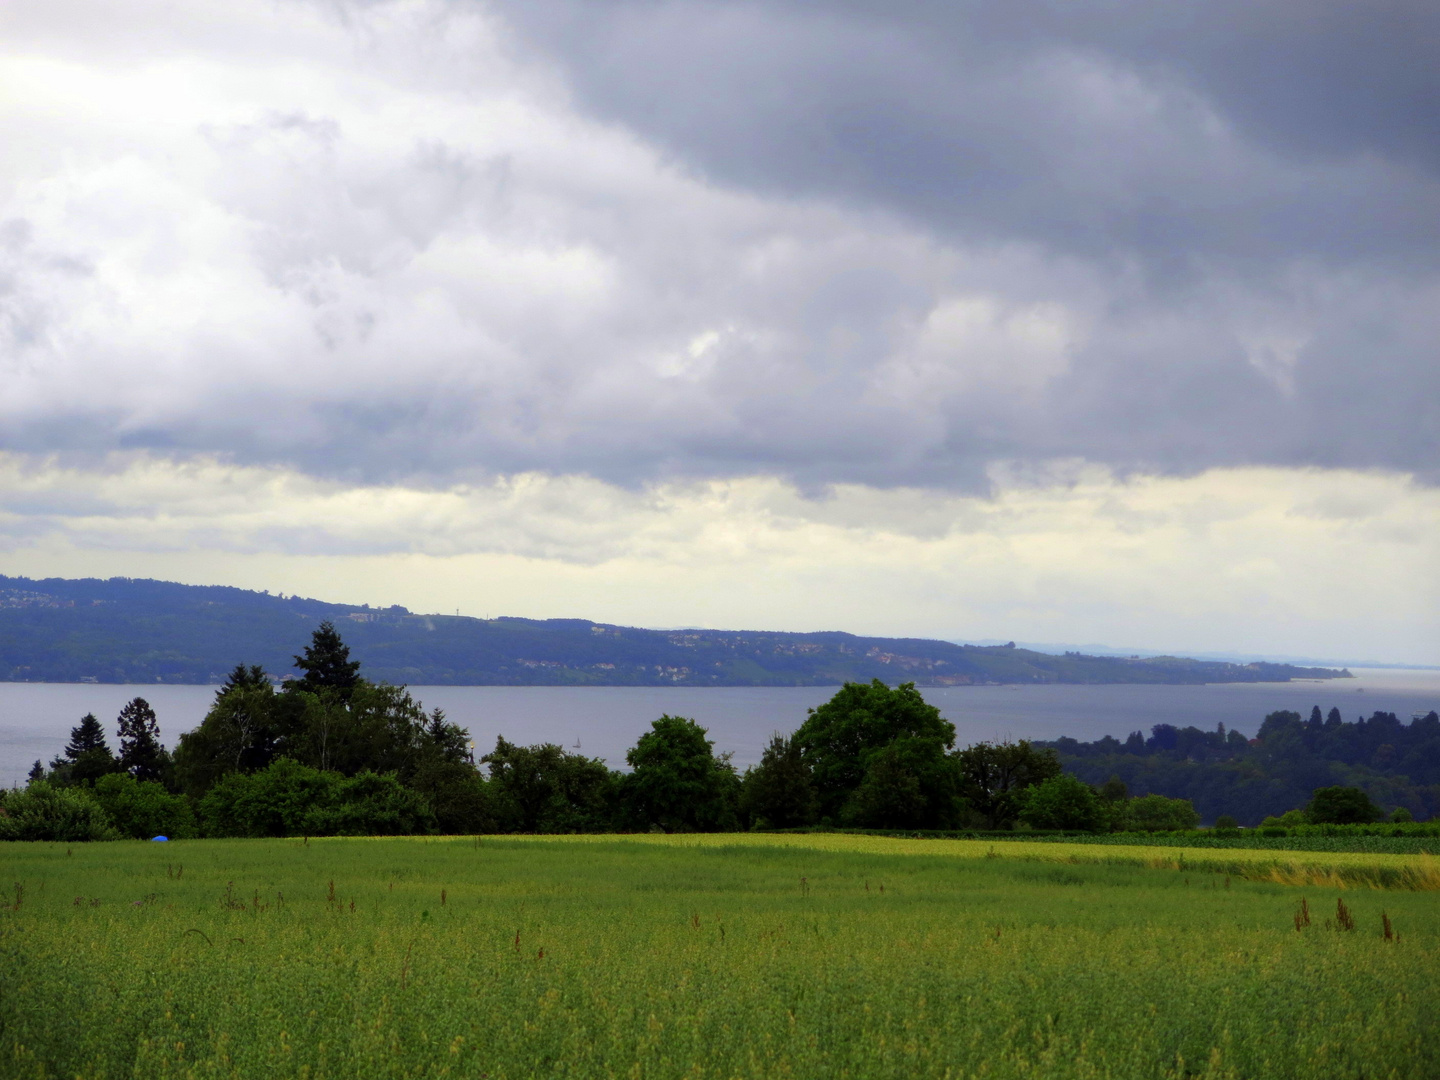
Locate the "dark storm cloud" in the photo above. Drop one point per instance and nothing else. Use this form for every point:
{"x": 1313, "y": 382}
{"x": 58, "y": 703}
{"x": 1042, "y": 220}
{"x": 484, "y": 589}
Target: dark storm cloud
{"x": 1177, "y": 130}
{"x": 888, "y": 243}
{"x": 1284, "y": 156}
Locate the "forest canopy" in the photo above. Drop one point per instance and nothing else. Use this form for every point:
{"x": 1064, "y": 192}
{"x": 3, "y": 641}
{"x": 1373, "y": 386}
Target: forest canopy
{"x": 1291, "y": 756}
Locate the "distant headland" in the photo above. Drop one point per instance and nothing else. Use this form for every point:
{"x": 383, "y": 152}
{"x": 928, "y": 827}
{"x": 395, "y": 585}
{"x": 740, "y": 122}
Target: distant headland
{"x": 130, "y": 630}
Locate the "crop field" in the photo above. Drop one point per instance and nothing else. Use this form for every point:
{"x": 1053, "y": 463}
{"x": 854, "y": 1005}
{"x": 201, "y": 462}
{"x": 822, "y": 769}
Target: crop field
{"x": 713, "y": 956}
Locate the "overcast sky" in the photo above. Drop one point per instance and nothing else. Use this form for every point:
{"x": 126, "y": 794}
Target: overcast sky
{"x": 1090, "y": 322}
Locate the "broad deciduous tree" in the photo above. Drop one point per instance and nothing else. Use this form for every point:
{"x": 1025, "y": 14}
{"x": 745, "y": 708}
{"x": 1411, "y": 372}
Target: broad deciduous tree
{"x": 1063, "y": 802}
{"x": 677, "y": 782}
{"x": 839, "y": 739}
{"x": 1342, "y": 806}
{"x": 993, "y": 776}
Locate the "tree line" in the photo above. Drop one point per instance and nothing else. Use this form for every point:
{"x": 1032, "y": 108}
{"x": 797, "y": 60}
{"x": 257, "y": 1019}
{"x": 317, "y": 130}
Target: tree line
{"x": 1291, "y": 756}
{"x": 331, "y": 752}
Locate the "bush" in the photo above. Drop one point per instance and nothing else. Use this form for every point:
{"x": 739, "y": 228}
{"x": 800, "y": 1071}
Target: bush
{"x": 1291, "y": 819}
{"x": 44, "y": 812}
{"x": 290, "y": 799}
{"x": 1156, "y": 813}
{"x": 1063, "y": 802}
{"x": 143, "y": 808}
{"x": 1226, "y": 823}
{"x": 1402, "y": 815}
{"x": 272, "y": 802}
{"x": 371, "y": 804}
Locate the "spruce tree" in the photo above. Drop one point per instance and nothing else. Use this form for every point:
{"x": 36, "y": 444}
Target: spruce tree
{"x": 141, "y": 754}
{"x": 87, "y": 757}
{"x": 87, "y": 737}
{"x": 326, "y": 663}
{"x": 243, "y": 678}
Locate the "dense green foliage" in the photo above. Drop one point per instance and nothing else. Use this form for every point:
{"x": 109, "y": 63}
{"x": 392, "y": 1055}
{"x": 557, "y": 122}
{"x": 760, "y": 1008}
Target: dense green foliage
{"x": 289, "y": 799}
{"x": 995, "y": 777}
{"x": 138, "y": 631}
{"x": 41, "y": 811}
{"x": 778, "y": 793}
{"x": 1063, "y": 802}
{"x": 566, "y": 958}
{"x": 879, "y": 757}
{"x": 676, "y": 782}
{"x": 326, "y": 663}
{"x": 1393, "y": 763}
{"x": 547, "y": 789}
{"x": 1341, "y": 806}
{"x": 1159, "y": 813}
{"x": 143, "y": 808}
{"x": 141, "y": 754}
{"x": 87, "y": 755}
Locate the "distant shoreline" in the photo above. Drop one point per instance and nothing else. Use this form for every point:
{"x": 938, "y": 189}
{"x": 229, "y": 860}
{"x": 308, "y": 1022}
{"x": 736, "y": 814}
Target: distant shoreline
{"x": 740, "y": 686}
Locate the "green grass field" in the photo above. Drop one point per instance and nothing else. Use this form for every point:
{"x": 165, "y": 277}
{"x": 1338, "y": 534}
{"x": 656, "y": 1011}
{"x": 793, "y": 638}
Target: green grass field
{"x": 715, "y": 956}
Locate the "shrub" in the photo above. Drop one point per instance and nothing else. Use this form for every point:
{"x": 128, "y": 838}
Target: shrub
{"x": 1291, "y": 819}
{"x": 1401, "y": 815}
{"x": 44, "y": 812}
{"x": 272, "y": 802}
{"x": 290, "y": 799}
{"x": 1226, "y": 823}
{"x": 371, "y": 804}
{"x": 1156, "y": 813}
{"x": 1063, "y": 802}
{"x": 143, "y": 808}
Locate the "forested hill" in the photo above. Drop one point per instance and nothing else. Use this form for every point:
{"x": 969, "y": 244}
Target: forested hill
{"x": 139, "y": 631}
{"x": 1396, "y": 763}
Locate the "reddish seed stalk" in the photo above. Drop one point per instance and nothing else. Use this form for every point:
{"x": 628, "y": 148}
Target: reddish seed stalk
{"x": 1344, "y": 920}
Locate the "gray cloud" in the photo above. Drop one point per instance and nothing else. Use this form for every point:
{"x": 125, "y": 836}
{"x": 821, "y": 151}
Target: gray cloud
{"x": 1231, "y": 130}
{"x": 889, "y": 243}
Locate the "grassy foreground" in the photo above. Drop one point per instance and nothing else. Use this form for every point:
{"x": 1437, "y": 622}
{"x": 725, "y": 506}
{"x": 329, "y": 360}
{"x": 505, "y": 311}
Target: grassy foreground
{"x": 787, "y": 956}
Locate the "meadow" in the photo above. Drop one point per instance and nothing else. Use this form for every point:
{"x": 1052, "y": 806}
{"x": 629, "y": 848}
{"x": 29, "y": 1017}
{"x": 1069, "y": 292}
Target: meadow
{"x": 718, "y": 956}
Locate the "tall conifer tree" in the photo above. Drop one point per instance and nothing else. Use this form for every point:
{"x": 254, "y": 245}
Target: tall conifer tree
{"x": 141, "y": 754}
{"x": 87, "y": 757}
{"x": 327, "y": 663}
{"x": 86, "y": 737}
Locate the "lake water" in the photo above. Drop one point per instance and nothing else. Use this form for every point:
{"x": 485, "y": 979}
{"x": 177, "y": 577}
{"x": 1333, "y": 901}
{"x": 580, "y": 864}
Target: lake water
{"x": 36, "y": 718}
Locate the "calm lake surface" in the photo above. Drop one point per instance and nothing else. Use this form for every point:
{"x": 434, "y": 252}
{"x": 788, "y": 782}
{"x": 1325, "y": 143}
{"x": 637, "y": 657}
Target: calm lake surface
{"x": 36, "y": 718}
